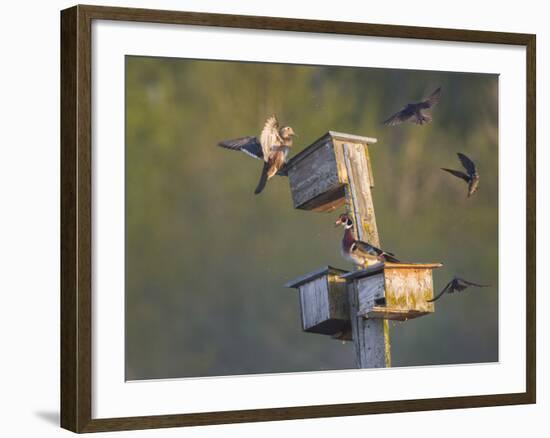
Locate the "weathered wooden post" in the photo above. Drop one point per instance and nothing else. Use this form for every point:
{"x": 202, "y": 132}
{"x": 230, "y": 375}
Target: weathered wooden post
{"x": 396, "y": 291}
{"x": 336, "y": 171}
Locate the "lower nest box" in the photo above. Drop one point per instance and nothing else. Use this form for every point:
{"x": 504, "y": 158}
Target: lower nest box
{"x": 397, "y": 291}
{"x": 323, "y": 301}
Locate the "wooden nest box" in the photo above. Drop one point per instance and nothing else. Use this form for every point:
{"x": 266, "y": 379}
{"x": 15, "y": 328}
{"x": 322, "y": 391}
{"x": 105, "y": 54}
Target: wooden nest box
{"x": 321, "y": 174}
{"x": 397, "y": 291}
{"x": 335, "y": 171}
{"x": 323, "y": 301}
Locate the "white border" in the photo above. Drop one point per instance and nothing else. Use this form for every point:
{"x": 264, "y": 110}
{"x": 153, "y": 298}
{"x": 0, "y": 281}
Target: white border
{"x": 112, "y": 397}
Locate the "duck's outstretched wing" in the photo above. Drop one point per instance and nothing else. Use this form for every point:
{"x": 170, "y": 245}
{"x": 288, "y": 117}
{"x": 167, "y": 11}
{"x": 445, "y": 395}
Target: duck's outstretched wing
{"x": 270, "y": 136}
{"x": 249, "y": 145}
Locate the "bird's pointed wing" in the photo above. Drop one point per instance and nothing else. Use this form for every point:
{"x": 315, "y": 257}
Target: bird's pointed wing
{"x": 457, "y": 173}
{"x": 432, "y": 100}
{"x": 367, "y": 248}
{"x": 440, "y": 294}
{"x": 270, "y": 136}
{"x": 467, "y": 163}
{"x": 397, "y": 118}
{"x": 471, "y": 283}
{"x": 249, "y": 145}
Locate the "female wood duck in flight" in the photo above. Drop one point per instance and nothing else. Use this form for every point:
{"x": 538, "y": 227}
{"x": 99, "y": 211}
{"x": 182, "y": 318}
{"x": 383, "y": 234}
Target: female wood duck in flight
{"x": 358, "y": 252}
{"x": 273, "y": 147}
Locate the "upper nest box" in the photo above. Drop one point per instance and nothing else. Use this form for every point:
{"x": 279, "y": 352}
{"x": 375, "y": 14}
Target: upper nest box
{"x": 320, "y": 173}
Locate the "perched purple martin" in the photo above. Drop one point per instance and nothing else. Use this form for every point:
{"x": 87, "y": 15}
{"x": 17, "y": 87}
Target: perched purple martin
{"x": 272, "y": 147}
{"x": 415, "y": 112}
{"x": 471, "y": 176}
{"x": 456, "y": 285}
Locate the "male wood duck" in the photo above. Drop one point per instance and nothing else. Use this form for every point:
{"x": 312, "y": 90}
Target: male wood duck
{"x": 357, "y": 251}
{"x": 415, "y": 112}
{"x": 471, "y": 176}
{"x": 273, "y": 147}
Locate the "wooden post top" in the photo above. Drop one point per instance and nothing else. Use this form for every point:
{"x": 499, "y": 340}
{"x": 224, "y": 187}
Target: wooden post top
{"x": 352, "y": 138}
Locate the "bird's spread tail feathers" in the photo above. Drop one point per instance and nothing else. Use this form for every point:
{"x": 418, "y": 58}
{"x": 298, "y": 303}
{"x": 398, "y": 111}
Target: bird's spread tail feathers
{"x": 263, "y": 179}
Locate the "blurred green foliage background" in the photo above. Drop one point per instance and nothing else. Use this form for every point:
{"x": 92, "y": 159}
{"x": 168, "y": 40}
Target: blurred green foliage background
{"x": 206, "y": 259}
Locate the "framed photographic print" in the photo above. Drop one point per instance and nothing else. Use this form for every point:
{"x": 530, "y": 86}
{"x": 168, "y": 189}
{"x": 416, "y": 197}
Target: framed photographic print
{"x": 259, "y": 212}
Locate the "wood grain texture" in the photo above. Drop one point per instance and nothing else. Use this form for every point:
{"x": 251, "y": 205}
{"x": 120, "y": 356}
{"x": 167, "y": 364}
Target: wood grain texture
{"x": 303, "y": 412}
{"x": 327, "y": 202}
{"x": 394, "y": 291}
{"x": 531, "y": 213}
{"x": 318, "y": 175}
{"x": 324, "y": 307}
{"x": 76, "y": 220}
{"x": 76, "y": 296}
{"x": 371, "y": 337}
{"x": 69, "y": 312}
{"x": 300, "y": 25}
{"x": 338, "y": 299}
{"x": 370, "y": 290}
{"x": 409, "y": 289}
{"x": 314, "y": 305}
{"x": 313, "y": 173}
{"x": 358, "y": 192}
{"x": 371, "y": 342}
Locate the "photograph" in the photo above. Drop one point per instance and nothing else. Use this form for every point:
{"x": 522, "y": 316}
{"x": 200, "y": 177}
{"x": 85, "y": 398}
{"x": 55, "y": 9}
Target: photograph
{"x": 291, "y": 218}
